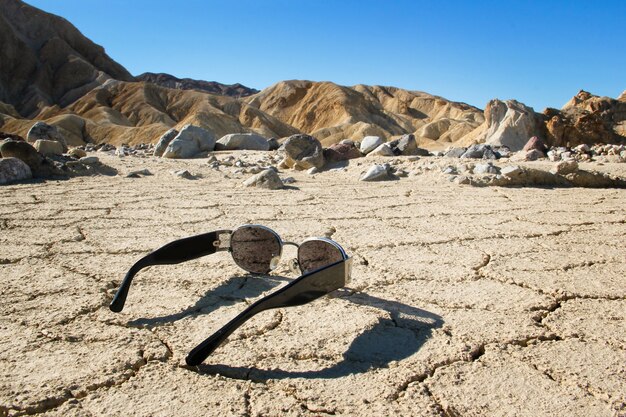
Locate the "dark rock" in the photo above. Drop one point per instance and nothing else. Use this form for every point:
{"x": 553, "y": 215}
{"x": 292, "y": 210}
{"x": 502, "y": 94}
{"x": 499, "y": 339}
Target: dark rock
{"x": 341, "y": 152}
{"x": 273, "y": 144}
{"x": 13, "y": 169}
{"x": 44, "y": 131}
{"x": 4, "y": 135}
{"x": 475, "y": 151}
{"x": 303, "y": 152}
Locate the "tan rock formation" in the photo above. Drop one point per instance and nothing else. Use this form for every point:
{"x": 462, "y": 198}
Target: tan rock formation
{"x": 587, "y": 118}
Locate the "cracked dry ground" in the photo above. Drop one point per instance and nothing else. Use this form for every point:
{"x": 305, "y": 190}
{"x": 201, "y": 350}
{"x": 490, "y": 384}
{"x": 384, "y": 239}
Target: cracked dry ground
{"x": 464, "y": 301}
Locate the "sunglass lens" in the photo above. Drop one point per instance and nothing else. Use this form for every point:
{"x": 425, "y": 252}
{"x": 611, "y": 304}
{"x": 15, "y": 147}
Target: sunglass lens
{"x": 255, "y": 249}
{"x": 314, "y": 254}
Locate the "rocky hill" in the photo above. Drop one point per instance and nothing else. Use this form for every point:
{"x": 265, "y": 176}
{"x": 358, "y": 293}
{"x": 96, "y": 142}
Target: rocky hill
{"x": 169, "y": 81}
{"x": 45, "y": 60}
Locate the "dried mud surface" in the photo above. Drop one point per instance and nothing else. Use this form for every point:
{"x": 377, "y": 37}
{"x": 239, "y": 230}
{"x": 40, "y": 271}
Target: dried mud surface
{"x": 464, "y": 301}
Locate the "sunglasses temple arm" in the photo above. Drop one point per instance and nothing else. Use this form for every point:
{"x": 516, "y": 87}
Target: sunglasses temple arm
{"x": 304, "y": 289}
{"x": 173, "y": 253}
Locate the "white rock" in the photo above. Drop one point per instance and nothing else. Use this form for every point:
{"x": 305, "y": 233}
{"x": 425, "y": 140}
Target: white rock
{"x": 189, "y": 142}
{"x": 382, "y": 150}
{"x": 369, "y": 143}
{"x": 242, "y": 141}
{"x": 48, "y": 147}
{"x": 377, "y": 173}
{"x": 267, "y": 179}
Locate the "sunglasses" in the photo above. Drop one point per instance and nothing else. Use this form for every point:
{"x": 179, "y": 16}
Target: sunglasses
{"x": 324, "y": 265}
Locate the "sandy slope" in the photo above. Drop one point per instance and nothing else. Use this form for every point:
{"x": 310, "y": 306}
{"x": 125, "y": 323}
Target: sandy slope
{"x": 468, "y": 301}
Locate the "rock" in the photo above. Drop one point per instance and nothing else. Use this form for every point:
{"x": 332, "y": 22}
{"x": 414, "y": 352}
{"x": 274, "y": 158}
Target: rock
{"x": 455, "y": 152}
{"x": 48, "y": 147}
{"x": 13, "y": 169}
{"x": 511, "y": 171}
{"x": 267, "y": 179}
{"x": 407, "y": 145}
{"x": 488, "y": 168}
{"x": 242, "y": 141}
{"x": 273, "y": 144}
{"x": 89, "y": 160}
{"x": 164, "y": 141}
{"x": 303, "y": 152}
{"x": 565, "y": 167}
{"x": 382, "y": 150}
{"x": 378, "y": 173}
{"x": 463, "y": 180}
{"x": 510, "y": 123}
{"x": 23, "y": 151}
{"x": 490, "y": 154}
{"x": 77, "y": 153}
{"x": 313, "y": 171}
{"x": 369, "y": 143}
{"x": 41, "y": 130}
{"x": 582, "y": 148}
{"x": 475, "y": 151}
{"x": 341, "y": 152}
{"x": 288, "y": 180}
{"x": 535, "y": 143}
{"x": 349, "y": 142}
{"x": 183, "y": 173}
{"x": 534, "y": 154}
{"x": 190, "y": 141}
{"x": 450, "y": 170}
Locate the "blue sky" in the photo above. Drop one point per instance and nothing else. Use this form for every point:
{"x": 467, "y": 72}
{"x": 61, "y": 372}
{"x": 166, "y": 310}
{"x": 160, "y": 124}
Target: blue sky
{"x": 538, "y": 52}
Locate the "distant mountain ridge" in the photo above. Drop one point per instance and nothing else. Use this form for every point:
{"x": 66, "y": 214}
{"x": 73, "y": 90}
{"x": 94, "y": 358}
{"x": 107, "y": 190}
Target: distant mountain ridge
{"x": 213, "y": 87}
{"x": 49, "y": 71}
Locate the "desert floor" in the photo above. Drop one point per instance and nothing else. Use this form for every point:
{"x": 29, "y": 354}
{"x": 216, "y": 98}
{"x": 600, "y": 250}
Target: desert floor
{"x": 464, "y": 301}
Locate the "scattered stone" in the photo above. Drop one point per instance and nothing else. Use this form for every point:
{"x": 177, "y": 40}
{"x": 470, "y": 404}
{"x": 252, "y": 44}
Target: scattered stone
{"x": 122, "y": 151}
{"x": 535, "y": 143}
{"x": 289, "y": 180}
{"x": 341, "y": 152}
{"x": 313, "y": 171}
{"x": 44, "y": 131}
{"x": 164, "y": 141}
{"x": 49, "y": 147}
{"x": 77, "y": 153}
{"x": 456, "y": 152}
{"x": 303, "y": 152}
{"x": 369, "y": 143}
{"x": 139, "y": 173}
{"x": 89, "y": 160}
{"x": 378, "y": 173}
{"x": 487, "y": 168}
{"x": 450, "y": 170}
{"x": 565, "y": 167}
{"x": 14, "y": 169}
{"x": 190, "y": 141}
{"x": 183, "y": 173}
{"x": 267, "y": 179}
{"x": 463, "y": 180}
{"x": 476, "y": 151}
{"x": 407, "y": 145}
{"x": 382, "y": 150}
{"x": 511, "y": 171}
{"x": 242, "y": 141}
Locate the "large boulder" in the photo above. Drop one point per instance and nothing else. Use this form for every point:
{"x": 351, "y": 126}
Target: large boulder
{"x": 44, "y": 131}
{"x": 190, "y": 142}
{"x": 13, "y": 169}
{"x": 510, "y": 123}
{"x": 382, "y": 150}
{"x": 242, "y": 141}
{"x": 341, "y": 152}
{"x": 303, "y": 152}
{"x": 24, "y": 152}
{"x": 165, "y": 140}
{"x": 369, "y": 143}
